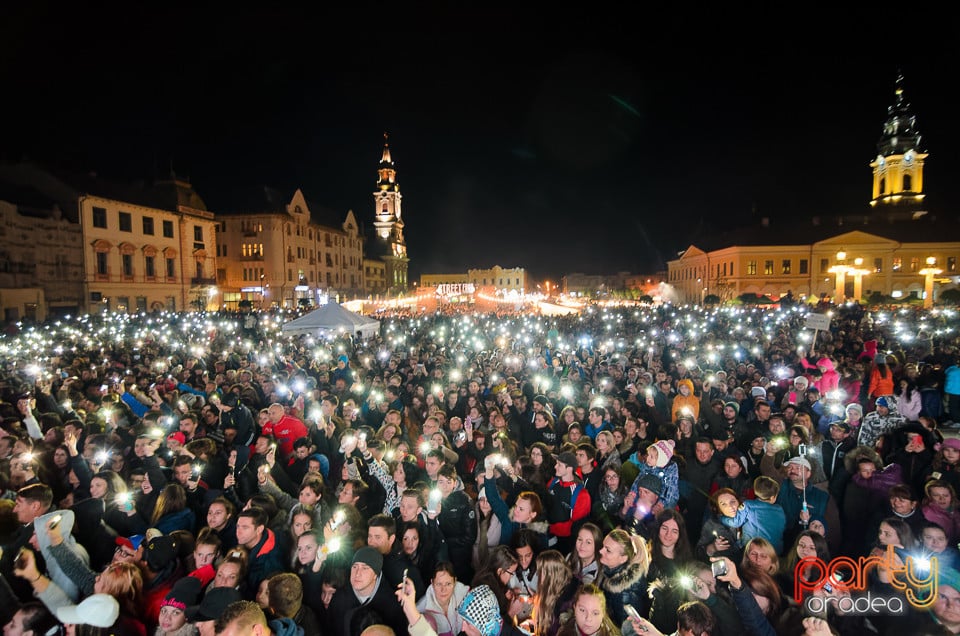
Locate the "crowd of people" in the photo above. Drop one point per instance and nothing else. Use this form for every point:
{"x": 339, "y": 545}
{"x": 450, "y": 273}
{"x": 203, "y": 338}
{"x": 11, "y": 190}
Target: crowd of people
{"x": 641, "y": 471}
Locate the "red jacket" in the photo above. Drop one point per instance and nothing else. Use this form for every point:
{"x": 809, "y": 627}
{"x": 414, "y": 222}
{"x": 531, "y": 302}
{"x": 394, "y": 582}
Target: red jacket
{"x": 288, "y": 430}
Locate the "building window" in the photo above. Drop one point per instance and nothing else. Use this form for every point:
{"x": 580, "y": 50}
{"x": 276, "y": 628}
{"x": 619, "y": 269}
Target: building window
{"x": 768, "y": 267}
{"x": 127, "y": 260}
{"x": 897, "y": 264}
{"x": 101, "y": 263}
{"x": 804, "y": 266}
{"x": 123, "y": 303}
{"x": 149, "y": 267}
{"x": 171, "y": 269}
{"x": 914, "y": 264}
{"x": 883, "y": 186}
{"x": 878, "y": 265}
{"x": 907, "y": 183}
{"x": 198, "y": 233}
{"x": 100, "y": 217}
{"x": 289, "y": 275}
{"x": 168, "y": 229}
{"x": 951, "y": 263}
{"x": 824, "y": 265}
{"x": 751, "y": 268}
{"x": 785, "y": 266}
{"x": 148, "y": 225}
{"x": 124, "y": 222}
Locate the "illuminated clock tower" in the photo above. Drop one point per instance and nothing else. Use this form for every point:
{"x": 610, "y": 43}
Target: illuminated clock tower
{"x": 388, "y": 223}
{"x": 898, "y": 168}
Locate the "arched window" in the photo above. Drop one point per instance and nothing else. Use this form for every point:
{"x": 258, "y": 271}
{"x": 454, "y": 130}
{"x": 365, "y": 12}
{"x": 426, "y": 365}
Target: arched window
{"x": 883, "y": 186}
{"x": 907, "y": 183}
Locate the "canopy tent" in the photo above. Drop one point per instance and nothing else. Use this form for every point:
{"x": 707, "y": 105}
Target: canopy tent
{"x": 332, "y": 319}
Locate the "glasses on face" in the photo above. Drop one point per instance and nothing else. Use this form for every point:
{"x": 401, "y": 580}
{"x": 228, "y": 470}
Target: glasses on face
{"x": 124, "y": 553}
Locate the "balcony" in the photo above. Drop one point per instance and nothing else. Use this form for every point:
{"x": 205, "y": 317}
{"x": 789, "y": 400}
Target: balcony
{"x": 199, "y": 282}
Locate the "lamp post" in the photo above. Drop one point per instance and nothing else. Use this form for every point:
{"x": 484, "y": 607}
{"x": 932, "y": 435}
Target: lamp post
{"x": 928, "y": 273}
{"x": 261, "y": 292}
{"x": 858, "y": 272}
{"x": 840, "y": 270}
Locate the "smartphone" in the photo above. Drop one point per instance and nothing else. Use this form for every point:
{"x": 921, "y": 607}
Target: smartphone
{"x": 631, "y": 612}
{"x": 718, "y": 568}
{"x": 802, "y": 449}
{"x": 434, "y": 500}
{"x": 103, "y": 388}
{"x": 20, "y": 561}
{"x": 55, "y": 522}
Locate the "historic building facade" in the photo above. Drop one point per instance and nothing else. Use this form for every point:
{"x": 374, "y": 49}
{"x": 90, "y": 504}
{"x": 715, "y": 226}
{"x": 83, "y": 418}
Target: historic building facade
{"x": 895, "y": 248}
{"x": 41, "y": 261}
{"x": 278, "y": 255}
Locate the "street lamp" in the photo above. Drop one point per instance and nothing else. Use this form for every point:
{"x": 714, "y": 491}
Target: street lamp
{"x": 928, "y": 273}
{"x": 858, "y": 272}
{"x": 840, "y": 269}
{"x": 261, "y": 292}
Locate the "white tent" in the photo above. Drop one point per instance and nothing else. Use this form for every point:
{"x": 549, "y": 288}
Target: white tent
{"x": 332, "y": 319}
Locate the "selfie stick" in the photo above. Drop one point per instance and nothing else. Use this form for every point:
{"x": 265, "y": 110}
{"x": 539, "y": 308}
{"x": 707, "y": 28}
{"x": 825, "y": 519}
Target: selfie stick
{"x": 803, "y": 478}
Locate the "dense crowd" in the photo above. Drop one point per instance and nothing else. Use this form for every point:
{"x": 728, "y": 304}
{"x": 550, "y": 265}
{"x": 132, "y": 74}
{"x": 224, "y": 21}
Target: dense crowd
{"x": 634, "y": 470}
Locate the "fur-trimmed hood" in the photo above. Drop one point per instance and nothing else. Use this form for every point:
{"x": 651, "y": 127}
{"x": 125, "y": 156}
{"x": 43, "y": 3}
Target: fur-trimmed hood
{"x": 540, "y": 527}
{"x": 623, "y": 578}
{"x": 851, "y": 459}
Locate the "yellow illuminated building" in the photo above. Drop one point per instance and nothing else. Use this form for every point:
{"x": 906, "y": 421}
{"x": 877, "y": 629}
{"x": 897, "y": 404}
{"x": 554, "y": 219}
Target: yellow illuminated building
{"x": 889, "y": 250}
{"x": 278, "y": 255}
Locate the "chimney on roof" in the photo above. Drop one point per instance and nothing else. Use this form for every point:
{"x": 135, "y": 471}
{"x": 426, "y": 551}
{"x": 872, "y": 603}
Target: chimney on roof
{"x": 765, "y": 221}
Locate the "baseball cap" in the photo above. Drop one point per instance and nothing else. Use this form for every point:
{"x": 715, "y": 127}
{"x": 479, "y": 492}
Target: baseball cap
{"x": 133, "y": 542}
{"x": 567, "y": 458}
{"x": 213, "y": 604}
{"x": 97, "y": 610}
{"x": 800, "y": 461}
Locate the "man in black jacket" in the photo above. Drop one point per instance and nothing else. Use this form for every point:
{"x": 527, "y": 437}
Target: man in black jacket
{"x": 458, "y": 522}
{"x": 368, "y": 600}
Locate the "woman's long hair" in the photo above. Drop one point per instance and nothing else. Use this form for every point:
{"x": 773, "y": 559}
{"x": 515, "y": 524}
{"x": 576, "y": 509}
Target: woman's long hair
{"x": 682, "y": 553}
{"x": 607, "y": 627}
{"x": 124, "y": 582}
{"x": 792, "y": 558}
{"x": 574, "y": 559}
{"x": 173, "y": 498}
{"x": 554, "y": 577}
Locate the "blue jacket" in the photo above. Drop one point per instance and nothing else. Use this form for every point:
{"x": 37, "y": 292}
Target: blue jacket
{"x": 669, "y": 476}
{"x": 759, "y": 519}
{"x": 952, "y": 384}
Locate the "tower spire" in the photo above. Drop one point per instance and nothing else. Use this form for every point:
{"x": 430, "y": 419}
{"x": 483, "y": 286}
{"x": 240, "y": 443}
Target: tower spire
{"x": 387, "y": 173}
{"x": 900, "y": 132}
{"x": 898, "y": 168}
{"x": 388, "y": 221}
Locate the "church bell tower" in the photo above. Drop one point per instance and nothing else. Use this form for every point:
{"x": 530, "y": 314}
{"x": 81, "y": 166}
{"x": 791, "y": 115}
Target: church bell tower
{"x": 898, "y": 168}
{"x": 388, "y": 222}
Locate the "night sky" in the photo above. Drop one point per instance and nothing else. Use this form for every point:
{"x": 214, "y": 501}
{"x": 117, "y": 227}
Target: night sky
{"x": 559, "y": 140}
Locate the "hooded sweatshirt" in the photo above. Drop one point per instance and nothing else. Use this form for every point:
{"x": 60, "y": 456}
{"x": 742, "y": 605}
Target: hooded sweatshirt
{"x": 688, "y": 401}
{"x": 57, "y": 575}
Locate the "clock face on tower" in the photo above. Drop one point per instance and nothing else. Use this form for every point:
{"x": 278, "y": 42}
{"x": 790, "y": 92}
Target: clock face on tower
{"x": 908, "y": 157}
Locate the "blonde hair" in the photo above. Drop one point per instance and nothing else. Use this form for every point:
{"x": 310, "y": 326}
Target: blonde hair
{"x": 634, "y": 548}
{"x": 124, "y": 582}
{"x": 607, "y": 435}
{"x": 554, "y": 577}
